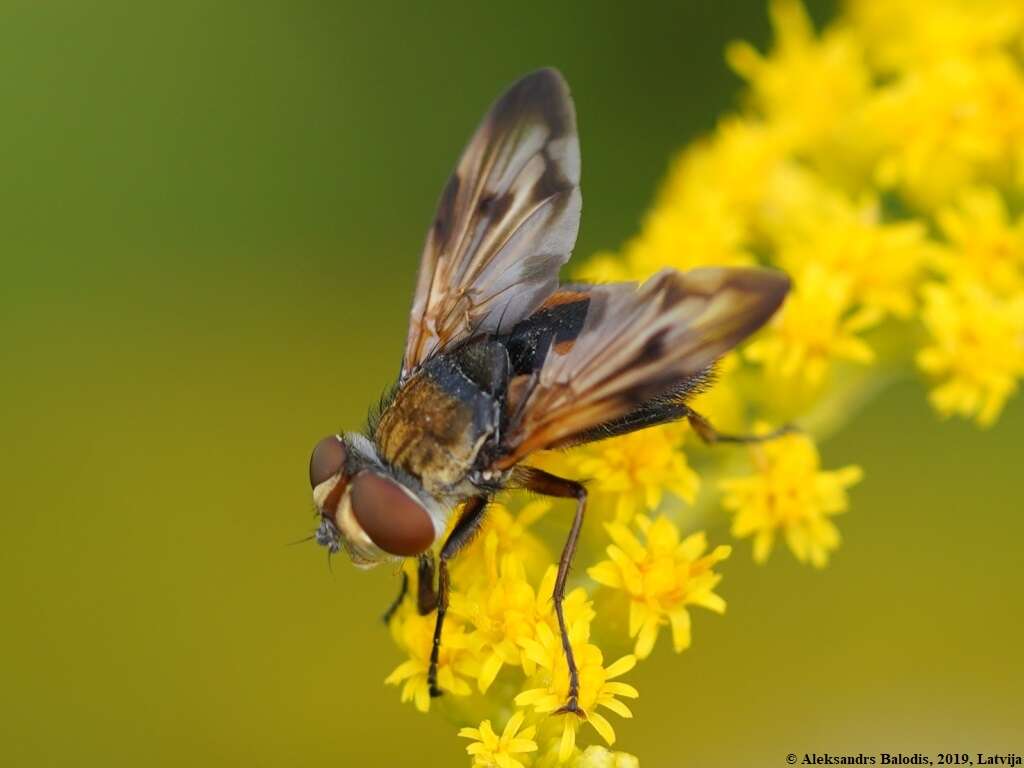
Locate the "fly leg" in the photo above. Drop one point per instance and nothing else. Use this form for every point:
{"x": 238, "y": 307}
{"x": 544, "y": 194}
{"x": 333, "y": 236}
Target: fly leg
{"x": 402, "y": 592}
{"x": 541, "y": 482}
{"x": 706, "y": 432}
{"x": 462, "y": 533}
{"x": 426, "y": 595}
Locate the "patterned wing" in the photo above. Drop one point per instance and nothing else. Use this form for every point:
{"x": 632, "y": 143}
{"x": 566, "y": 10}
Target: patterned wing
{"x": 506, "y": 222}
{"x": 636, "y": 344}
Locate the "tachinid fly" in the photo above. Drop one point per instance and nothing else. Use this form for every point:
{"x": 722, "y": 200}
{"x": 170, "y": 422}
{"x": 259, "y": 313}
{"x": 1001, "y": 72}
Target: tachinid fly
{"x": 502, "y": 361}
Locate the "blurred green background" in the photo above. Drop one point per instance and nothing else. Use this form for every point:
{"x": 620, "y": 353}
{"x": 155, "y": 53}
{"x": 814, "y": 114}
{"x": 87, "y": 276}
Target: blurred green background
{"x": 212, "y": 213}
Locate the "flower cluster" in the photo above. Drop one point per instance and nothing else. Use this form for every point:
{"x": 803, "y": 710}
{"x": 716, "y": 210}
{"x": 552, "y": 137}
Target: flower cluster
{"x": 789, "y": 492}
{"x": 501, "y": 642}
{"x": 661, "y": 576}
{"x": 880, "y": 163}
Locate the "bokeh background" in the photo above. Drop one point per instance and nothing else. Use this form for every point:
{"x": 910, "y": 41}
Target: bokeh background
{"x": 211, "y": 215}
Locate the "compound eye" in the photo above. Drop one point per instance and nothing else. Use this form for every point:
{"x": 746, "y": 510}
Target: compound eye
{"x": 393, "y": 519}
{"x": 328, "y": 459}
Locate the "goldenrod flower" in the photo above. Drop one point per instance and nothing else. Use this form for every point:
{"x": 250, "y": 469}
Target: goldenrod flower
{"x": 976, "y": 350}
{"x": 489, "y": 750}
{"x": 597, "y": 687}
{"x": 817, "y": 326}
{"x": 594, "y": 756}
{"x": 662, "y": 576}
{"x": 879, "y": 161}
{"x": 951, "y": 124}
{"x": 736, "y": 165}
{"x": 502, "y": 611}
{"x": 880, "y": 262}
{"x": 984, "y": 245}
{"x": 789, "y": 493}
{"x": 904, "y": 34}
{"x": 503, "y": 533}
{"x": 702, "y": 216}
{"x": 601, "y": 757}
{"x": 455, "y": 661}
{"x": 701, "y": 230}
{"x": 636, "y": 470}
{"x": 808, "y": 85}
{"x": 505, "y": 611}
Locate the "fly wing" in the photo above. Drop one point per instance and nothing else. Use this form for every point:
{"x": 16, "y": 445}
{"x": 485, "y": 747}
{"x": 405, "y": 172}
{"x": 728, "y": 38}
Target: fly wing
{"x": 635, "y": 344}
{"x": 506, "y": 222}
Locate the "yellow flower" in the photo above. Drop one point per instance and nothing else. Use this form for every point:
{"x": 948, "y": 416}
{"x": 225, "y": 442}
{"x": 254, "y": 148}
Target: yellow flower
{"x": 492, "y": 751}
{"x": 636, "y": 469}
{"x": 789, "y": 492}
{"x": 597, "y": 687}
{"x": 901, "y": 36}
{"x": 455, "y": 660}
{"x": 955, "y": 123}
{"x": 662, "y": 576}
{"x": 807, "y": 87}
{"x": 976, "y": 350}
{"x": 505, "y": 610}
{"x": 880, "y": 163}
{"x": 726, "y": 174}
{"x": 791, "y": 196}
{"x": 816, "y": 326}
{"x": 699, "y": 230}
{"x": 502, "y": 533}
{"x": 984, "y": 245}
{"x": 594, "y": 756}
{"x": 501, "y": 611}
{"x": 880, "y": 261}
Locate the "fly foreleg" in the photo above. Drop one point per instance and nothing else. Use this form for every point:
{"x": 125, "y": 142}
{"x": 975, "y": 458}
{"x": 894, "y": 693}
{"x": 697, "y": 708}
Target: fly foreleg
{"x": 462, "y": 533}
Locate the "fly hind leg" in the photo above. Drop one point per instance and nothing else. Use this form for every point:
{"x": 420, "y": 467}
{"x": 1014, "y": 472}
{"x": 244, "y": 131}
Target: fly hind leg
{"x": 541, "y": 482}
{"x": 706, "y": 432}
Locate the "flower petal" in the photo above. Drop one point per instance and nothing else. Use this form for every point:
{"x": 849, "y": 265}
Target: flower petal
{"x": 680, "y": 621}
{"x": 647, "y": 637}
{"x": 568, "y": 740}
{"x": 602, "y": 726}
{"x": 620, "y": 667}
{"x": 616, "y": 706}
{"x": 488, "y": 671}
